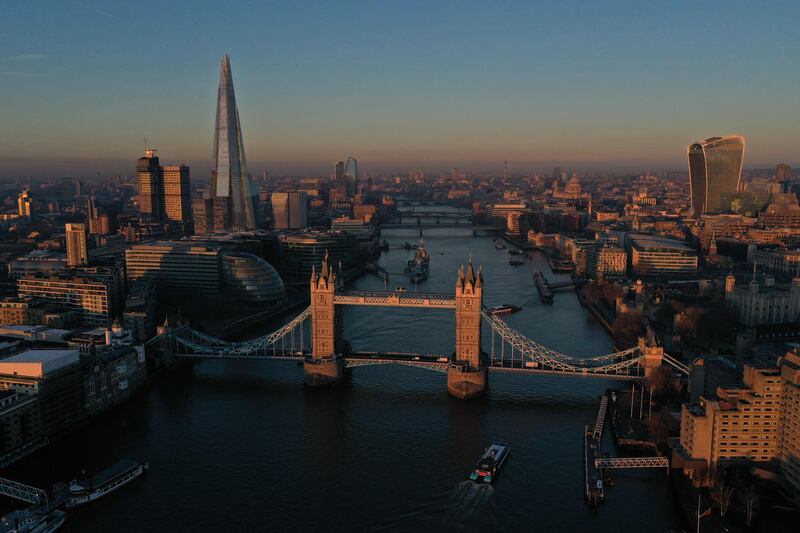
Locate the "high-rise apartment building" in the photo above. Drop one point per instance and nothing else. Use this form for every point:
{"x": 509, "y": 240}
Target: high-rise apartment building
{"x": 289, "y": 210}
{"x": 77, "y": 253}
{"x": 231, "y": 184}
{"x": 177, "y": 200}
{"x": 715, "y": 168}
{"x": 759, "y": 421}
{"x": 25, "y": 204}
{"x": 151, "y": 187}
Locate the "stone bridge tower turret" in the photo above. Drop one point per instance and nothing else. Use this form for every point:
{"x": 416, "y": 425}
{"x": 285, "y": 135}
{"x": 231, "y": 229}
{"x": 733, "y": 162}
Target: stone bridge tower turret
{"x": 325, "y": 366}
{"x": 467, "y": 376}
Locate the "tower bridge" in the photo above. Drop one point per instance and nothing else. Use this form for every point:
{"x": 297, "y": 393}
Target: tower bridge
{"x": 315, "y": 338}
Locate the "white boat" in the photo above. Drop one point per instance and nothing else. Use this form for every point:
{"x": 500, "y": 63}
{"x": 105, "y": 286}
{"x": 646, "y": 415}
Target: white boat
{"x": 92, "y": 488}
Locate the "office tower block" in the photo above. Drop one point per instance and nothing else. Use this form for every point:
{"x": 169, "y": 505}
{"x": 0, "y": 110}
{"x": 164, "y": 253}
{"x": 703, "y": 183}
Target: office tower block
{"x": 289, "y": 210}
{"x": 177, "y": 200}
{"x": 715, "y": 168}
{"x": 25, "y": 204}
{"x": 151, "y": 187}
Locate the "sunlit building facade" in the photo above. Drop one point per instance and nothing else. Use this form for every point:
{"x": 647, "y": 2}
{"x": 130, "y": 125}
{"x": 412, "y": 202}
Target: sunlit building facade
{"x": 177, "y": 199}
{"x": 231, "y": 184}
{"x": 715, "y": 167}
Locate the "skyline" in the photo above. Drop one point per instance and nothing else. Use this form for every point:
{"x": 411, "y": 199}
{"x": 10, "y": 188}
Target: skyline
{"x": 468, "y": 87}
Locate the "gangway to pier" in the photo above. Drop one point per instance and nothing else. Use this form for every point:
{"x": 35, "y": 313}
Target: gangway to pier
{"x": 20, "y": 491}
{"x": 659, "y": 461}
{"x": 601, "y": 418}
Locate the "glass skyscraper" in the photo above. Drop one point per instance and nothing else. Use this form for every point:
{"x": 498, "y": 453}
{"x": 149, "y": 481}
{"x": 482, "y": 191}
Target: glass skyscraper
{"x": 715, "y": 167}
{"x": 230, "y": 180}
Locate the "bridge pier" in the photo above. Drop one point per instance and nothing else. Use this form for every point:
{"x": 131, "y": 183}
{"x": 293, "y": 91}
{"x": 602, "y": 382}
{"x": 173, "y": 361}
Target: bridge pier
{"x": 323, "y": 372}
{"x": 465, "y": 383}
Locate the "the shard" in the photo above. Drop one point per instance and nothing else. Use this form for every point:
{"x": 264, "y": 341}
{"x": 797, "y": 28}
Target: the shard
{"x": 234, "y": 199}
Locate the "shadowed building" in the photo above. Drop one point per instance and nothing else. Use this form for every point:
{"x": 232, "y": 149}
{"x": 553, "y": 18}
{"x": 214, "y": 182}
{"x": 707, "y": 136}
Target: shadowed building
{"x": 715, "y": 167}
{"x": 151, "y": 187}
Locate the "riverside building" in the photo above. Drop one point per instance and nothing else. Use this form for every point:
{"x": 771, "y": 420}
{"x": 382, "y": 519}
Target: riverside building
{"x": 657, "y": 256}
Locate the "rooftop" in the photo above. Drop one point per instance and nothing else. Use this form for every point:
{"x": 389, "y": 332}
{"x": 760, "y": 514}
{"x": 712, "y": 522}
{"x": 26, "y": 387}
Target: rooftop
{"x": 650, "y": 241}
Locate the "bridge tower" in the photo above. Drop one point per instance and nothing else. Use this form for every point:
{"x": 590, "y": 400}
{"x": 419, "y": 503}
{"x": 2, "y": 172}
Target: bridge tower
{"x": 467, "y": 377}
{"x": 652, "y": 354}
{"x": 325, "y": 366}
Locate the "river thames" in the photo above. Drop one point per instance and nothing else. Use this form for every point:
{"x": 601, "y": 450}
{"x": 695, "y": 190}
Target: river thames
{"x": 243, "y": 446}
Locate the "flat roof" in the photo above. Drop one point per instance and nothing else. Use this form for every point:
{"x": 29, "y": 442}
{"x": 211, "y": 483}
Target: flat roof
{"x": 38, "y": 363}
{"x": 650, "y": 241}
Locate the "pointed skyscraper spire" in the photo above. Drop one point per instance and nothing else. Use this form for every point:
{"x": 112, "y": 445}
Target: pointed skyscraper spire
{"x": 232, "y": 181}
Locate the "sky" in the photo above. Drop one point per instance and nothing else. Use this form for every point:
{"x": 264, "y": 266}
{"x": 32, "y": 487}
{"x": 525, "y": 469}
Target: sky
{"x": 403, "y": 84}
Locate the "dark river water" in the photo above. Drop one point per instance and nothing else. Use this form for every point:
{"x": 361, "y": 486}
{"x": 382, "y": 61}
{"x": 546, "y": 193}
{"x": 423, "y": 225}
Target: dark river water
{"x": 243, "y": 446}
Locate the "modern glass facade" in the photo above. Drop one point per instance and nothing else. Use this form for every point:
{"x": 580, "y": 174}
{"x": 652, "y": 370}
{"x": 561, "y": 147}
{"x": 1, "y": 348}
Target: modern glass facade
{"x": 252, "y": 280}
{"x": 231, "y": 177}
{"x": 300, "y": 252}
{"x": 176, "y": 266}
{"x": 715, "y": 167}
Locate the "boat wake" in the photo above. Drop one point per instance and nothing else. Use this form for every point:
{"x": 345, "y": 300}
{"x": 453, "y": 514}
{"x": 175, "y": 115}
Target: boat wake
{"x": 468, "y": 506}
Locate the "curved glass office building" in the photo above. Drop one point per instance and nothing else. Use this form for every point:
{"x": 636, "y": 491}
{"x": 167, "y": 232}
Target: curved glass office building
{"x": 715, "y": 167}
{"x": 252, "y": 280}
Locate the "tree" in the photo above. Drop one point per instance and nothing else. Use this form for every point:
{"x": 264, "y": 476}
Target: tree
{"x": 662, "y": 425}
{"x": 660, "y": 378}
{"x": 717, "y": 323}
{"x": 722, "y": 489}
{"x": 750, "y": 503}
{"x": 628, "y": 327}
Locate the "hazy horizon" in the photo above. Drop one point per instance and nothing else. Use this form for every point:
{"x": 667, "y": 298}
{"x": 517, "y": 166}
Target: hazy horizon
{"x": 399, "y": 86}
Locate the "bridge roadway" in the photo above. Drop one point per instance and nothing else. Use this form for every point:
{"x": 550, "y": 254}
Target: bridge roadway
{"x": 433, "y": 225}
{"x": 395, "y": 299}
{"x": 438, "y": 362}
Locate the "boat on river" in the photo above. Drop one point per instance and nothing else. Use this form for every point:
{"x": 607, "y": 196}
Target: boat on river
{"x": 87, "y": 490}
{"x": 418, "y": 267}
{"x": 505, "y": 309}
{"x": 32, "y": 521}
{"x": 490, "y": 463}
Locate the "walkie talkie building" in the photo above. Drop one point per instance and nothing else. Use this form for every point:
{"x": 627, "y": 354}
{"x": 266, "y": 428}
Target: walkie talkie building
{"x": 715, "y": 167}
{"x": 230, "y": 180}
